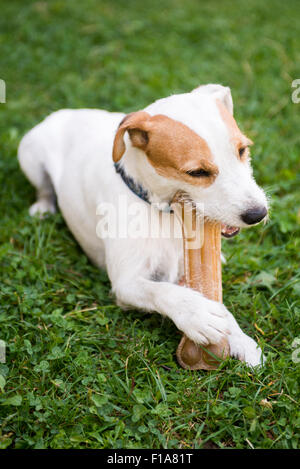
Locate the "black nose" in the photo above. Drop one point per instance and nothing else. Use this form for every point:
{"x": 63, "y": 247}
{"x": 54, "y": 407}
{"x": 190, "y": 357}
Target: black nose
{"x": 254, "y": 215}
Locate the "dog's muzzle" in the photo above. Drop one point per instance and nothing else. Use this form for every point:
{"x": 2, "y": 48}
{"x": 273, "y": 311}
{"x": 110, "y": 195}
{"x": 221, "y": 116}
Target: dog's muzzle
{"x": 229, "y": 231}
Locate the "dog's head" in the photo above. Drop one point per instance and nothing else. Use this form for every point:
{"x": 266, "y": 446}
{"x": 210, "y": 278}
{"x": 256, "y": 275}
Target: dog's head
{"x": 192, "y": 142}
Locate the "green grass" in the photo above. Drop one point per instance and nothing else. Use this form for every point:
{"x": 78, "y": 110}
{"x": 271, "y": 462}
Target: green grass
{"x": 81, "y": 373}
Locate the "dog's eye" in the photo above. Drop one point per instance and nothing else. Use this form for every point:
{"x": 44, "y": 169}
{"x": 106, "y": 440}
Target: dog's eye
{"x": 198, "y": 173}
{"x": 242, "y": 151}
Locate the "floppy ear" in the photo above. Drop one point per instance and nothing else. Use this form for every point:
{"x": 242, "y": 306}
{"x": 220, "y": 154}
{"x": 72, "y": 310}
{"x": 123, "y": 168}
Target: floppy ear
{"x": 136, "y": 124}
{"x": 220, "y": 92}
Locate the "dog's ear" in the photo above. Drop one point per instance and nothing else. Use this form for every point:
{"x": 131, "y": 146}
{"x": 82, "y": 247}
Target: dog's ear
{"x": 220, "y": 92}
{"x": 136, "y": 125}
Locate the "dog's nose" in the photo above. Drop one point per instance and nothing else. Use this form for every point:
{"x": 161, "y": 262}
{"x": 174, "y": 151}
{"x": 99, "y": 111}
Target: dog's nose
{"x": 254, "y": 215}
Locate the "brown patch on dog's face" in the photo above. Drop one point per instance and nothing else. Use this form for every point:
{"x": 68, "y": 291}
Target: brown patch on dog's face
{"x": 240, "y": 141}
{"x": 172, "y": 148}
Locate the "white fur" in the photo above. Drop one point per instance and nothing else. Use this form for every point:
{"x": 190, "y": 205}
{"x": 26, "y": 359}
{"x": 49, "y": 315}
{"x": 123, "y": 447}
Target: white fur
{"x": 71, "y": 152}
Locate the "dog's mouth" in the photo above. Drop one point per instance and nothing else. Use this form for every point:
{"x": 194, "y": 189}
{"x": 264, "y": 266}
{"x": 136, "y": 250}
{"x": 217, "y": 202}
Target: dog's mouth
{"x": 229, "y": 231}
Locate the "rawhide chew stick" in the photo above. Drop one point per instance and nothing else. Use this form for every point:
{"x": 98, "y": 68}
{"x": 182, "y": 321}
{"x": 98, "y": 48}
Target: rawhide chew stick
{"x": 202, "y": 272}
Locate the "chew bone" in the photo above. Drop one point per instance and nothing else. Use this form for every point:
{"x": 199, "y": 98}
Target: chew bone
{"x": 202, "y": 272}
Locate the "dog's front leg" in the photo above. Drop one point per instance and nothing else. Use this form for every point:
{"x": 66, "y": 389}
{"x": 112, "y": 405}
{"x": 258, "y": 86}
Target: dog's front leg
{"x": 202, "y": 320}
{"x": 242, "y": 346}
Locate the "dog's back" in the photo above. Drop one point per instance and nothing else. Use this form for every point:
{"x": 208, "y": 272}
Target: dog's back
{"x": 67, "y": 157}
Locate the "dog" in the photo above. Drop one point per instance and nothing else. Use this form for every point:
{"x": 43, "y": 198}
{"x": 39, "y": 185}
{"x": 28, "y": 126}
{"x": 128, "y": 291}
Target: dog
{"x": 87, "y": 157}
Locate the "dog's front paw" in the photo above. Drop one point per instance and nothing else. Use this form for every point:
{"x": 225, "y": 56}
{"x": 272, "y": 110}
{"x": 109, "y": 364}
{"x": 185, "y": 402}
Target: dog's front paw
{"x": 245, "y": 349}
{"x": 204, "y": 324}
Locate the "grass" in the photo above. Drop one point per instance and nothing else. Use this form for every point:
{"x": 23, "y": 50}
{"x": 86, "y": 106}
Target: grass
{"x": 81, "y": 373}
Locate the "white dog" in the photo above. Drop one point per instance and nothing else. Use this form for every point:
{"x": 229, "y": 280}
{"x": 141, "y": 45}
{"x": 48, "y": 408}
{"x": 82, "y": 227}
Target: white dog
{"x": 186, "y": 141}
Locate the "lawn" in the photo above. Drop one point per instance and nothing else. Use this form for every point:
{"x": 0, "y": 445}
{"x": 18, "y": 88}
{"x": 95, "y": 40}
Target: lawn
{"x": 80, "y": 372}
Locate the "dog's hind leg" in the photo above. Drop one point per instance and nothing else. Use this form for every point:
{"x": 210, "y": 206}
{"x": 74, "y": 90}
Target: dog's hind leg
{"x": 30, "y": 155}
